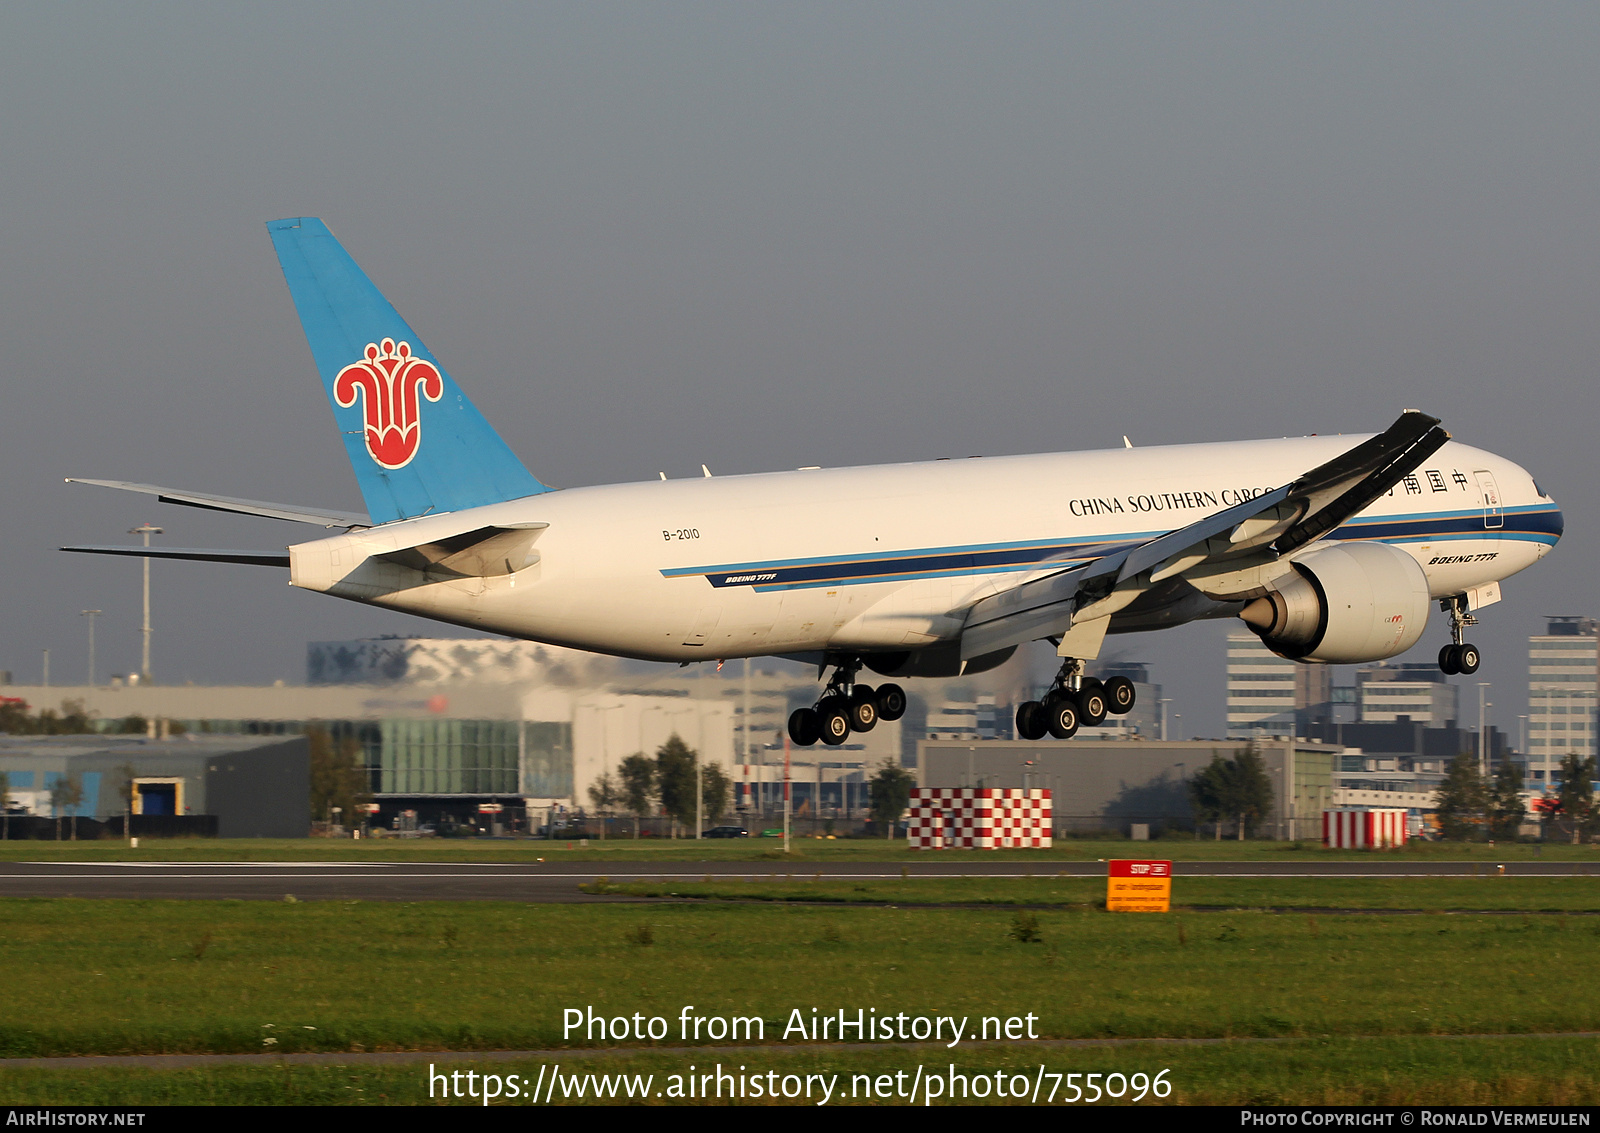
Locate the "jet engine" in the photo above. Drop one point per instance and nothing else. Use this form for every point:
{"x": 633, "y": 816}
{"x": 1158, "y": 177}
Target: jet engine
{"x": 1344, "y": 604}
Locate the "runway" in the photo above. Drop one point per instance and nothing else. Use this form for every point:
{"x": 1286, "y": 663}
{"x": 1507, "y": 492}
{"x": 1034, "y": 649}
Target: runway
{"x": 557, "y": 882}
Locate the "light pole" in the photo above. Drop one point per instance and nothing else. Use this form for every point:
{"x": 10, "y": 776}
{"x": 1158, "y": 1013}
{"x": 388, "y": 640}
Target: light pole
{"x": 91, "y": 615}
{"x": 146, "y": 530}
{"x": 47, "y": 668}
{"x": 1483, "y": 746}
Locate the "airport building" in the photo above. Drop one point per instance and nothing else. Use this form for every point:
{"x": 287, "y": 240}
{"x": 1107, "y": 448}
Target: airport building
{"x": 253, "y": 787}
{"x": 446, "y": 724}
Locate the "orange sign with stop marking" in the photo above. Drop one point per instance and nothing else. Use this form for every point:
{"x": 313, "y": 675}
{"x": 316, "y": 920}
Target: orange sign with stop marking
{"x": 1139, "y": 887}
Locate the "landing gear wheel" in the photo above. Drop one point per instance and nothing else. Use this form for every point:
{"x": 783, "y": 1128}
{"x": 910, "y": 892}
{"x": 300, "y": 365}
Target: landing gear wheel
{"x": 1091, "y": 705}
{"x": 804, "y": 727}
{"x": 834, "y": 720}
{"x": 863, "y": 709}
{"x": 1061, "y": 717}
{"x": 1120, "y": 695}
{"x": 1031, "y": 720}
{"x": 1467, "y": 659}
{"x": 891, "y": 702}
{"x": 1448, "y": 664}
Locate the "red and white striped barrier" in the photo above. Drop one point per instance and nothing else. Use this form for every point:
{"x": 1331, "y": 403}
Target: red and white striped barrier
{"x": 979, "y": 818}
{"x": 1363, "y": 829}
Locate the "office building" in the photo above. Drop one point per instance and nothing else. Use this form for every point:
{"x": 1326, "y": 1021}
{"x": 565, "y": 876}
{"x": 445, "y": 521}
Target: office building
{"x": 1419, "y": 690}
{"x": 1269, "y": 695}
{"x": 1563, "y": 678}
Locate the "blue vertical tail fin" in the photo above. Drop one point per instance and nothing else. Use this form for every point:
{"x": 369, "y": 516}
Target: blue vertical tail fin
{"x": 417, "y": 445}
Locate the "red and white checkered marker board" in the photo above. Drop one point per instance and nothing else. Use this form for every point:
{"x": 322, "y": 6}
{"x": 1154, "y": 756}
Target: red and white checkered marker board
{"x": 978, "y": 818}
{"x": 1363, "y": 829}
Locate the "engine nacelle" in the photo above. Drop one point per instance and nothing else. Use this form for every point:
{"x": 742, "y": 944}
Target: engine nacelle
{"x": 1345, "y": 604}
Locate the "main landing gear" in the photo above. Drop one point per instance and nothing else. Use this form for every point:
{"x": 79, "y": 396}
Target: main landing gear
{"x": 1458, "y": 657}
{"x": 846, "y": 707}
{"x": 1074, "y": 701}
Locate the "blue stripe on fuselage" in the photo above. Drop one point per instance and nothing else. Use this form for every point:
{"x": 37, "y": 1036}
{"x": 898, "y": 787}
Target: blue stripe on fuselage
{"x": 1539, "y": 523}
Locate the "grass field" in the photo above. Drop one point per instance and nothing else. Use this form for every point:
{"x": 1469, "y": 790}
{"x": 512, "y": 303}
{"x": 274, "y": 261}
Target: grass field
{"x": 123, "y": 977}
{"x": 1315, "y": 1007}
{"x": 750, "y": 849}
{"x": 1486, "y": 893}
{"x": 1367, "y": 1071}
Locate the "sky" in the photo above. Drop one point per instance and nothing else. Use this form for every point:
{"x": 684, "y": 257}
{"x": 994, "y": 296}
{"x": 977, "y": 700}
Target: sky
{"x": 762, "y": 236}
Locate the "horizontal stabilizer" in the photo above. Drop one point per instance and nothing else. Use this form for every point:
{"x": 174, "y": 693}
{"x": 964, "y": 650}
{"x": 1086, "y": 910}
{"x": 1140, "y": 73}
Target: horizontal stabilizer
{"x": 193, "y": 554}
{"x": 485, "y": 552}
{"x": 320, "y": 516}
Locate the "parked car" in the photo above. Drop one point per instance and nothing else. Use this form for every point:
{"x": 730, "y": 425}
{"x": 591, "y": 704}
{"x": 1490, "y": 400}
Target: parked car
{"x": 726, "y": 832}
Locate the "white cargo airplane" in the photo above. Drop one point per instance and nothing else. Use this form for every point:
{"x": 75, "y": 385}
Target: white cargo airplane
{"x": 1331, "y": 548}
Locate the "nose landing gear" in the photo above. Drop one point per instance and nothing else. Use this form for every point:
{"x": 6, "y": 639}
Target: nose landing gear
{"x": 1459, "y": 657}
{"x": 845, "y": 707}
{"x": 1074, "y": 701}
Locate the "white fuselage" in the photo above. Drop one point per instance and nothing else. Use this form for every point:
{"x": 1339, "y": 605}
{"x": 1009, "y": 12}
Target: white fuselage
{"x": 891, "y": 557}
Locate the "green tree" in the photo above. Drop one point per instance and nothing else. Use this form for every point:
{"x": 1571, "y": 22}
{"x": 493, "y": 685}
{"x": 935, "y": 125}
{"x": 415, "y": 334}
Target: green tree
{"x": 638, "y": 773}
{"x": 1507, "y": 811}
{"x": 1577, "y": 796}
{"x": 65, "y": 795}
{"x": 14, "y": 718}
{"x": 1239, "y": 789}
{"x": 1463, "y": 799}
{"x": 125, "y": 774}
{"x": 889, "y": 791}
{"x": 70, "y": 720}
{"x": 337, "y": 777}
{"x": 604, "y": 795}
{"x": 715, "y": 789}
{"x": 1250, "y": 797}
{"x": 675, "y": 779}
{"x": 73, "y": 720}
{"x": 1208, "y": 792}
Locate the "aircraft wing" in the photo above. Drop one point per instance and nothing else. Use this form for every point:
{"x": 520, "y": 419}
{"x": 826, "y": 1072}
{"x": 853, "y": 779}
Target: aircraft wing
{"x": 1231, "y": 554}
{"x": 194, "y": 554}
{"x": 319, "y": 516}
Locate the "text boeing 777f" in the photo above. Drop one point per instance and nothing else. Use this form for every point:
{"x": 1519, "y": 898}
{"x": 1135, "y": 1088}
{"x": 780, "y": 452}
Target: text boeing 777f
{"x": 1333, "y": 549}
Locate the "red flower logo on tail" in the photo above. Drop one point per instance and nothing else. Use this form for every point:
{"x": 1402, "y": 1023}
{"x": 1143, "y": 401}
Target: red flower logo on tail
{"x": 389, "y": 378}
